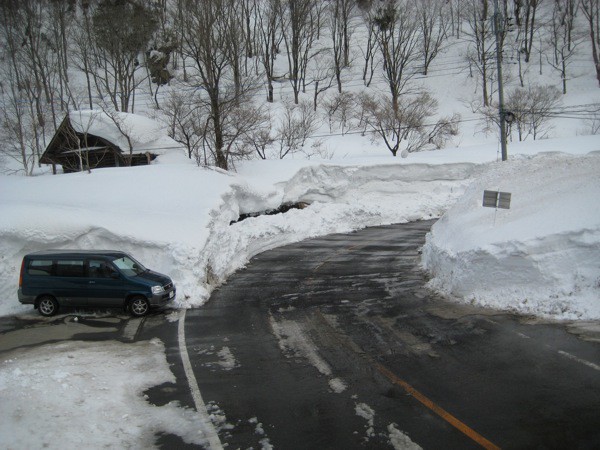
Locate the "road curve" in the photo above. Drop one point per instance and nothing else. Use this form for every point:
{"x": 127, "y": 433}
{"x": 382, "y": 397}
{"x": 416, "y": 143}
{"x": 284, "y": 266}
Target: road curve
{"x": 335, "y": 343}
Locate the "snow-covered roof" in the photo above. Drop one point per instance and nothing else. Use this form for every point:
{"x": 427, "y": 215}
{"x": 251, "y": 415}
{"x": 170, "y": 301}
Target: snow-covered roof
{"x": 146, "y": 135}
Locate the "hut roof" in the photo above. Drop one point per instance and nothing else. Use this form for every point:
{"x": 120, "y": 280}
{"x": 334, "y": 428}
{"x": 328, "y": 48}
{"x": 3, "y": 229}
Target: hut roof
{"x": 146, "y": 134}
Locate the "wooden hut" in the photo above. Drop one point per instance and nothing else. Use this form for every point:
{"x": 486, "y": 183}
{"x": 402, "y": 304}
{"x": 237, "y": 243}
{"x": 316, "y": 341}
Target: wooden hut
{"x": 92, "y": 139}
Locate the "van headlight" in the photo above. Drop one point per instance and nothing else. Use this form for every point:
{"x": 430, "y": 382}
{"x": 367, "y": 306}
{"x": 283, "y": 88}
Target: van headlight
{"x": 157, "y": 290}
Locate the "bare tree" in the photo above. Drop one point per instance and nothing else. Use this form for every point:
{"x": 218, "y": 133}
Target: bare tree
{"x": 81, "y": 124}
{"x": 525, "y": 15}
{"x": 182, "y": 116}
{"x": 340, "y": 12}
{"x": 41, "y": 55}
{"x": 125, "y": 128}
{"x": 249, "y": 12}
{"x": 244, "y": 124}
{"x": 300, "y": 28}
{"x": 233, "y": 42}
{"x": 27, "y": 73}
{"x": 399, "y": 39}
{"x": 591, "y": 11}
{"x": 532, "y": 109}
{"x": 16, "y": 141}
{"x": 593, "y": 122}
{"x": 434, "y": 25}
{"x": 299, "y": 121}
{"x": 339, "y": 109}
{"x": 121, "y": 31}
{"x": 323, "y": 73}
{"x": 261, "y": 139}
{"x": 207, "y": 42}
{"x": 481, "y": 54}
{"x": 563, "y": 38}
{"x": 456, "y": 16}
{"x": 370, "y": 50}
{"x": 62, "y": 15}
{"x": 82, "y": 55}
{"x": 405, "y": 124}
{"x": 268, "y": 18}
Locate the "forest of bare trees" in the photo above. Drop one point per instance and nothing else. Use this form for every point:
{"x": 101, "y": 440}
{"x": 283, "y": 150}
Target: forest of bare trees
{"x": 211, "y": 70}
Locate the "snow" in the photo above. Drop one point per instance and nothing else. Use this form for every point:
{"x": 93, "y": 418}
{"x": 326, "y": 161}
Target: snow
{"x": 60, "y": 387}
{"x": 539, "y": 257}
{"x": 399, "y": 440}
{"x": 146, "y": 135}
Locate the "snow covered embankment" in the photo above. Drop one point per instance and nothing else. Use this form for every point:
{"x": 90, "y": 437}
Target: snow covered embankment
{"x": 342, "y": 199}
{"x": 541, "y": 256}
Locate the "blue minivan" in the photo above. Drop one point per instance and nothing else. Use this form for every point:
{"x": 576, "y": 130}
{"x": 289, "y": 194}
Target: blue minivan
{"x": 106, "y": 279}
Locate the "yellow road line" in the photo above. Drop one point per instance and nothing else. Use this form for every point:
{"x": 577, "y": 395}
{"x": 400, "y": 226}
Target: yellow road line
{"x": 465, "y": 429}
{"x": 347, "y": 342}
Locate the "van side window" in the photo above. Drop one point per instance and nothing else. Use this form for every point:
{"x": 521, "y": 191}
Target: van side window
{"x": 69, "y": 268}
{"x": 40, "y": 267}
{"x": 100, "y": 269}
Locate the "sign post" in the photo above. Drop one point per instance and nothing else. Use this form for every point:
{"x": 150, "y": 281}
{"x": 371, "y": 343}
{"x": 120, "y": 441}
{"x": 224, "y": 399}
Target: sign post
{"x": 496, "y": 199}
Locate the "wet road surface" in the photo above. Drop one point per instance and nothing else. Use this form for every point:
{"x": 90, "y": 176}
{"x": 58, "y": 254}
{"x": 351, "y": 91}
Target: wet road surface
{"x": 335, "y": 343}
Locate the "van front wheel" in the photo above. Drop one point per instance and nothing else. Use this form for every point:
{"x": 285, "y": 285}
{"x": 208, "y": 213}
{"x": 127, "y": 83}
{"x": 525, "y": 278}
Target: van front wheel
{"x": 47, "y": 306}
{"x": 139, "y": 306}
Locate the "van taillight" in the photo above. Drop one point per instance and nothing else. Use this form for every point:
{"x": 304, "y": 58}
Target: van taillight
{"x": 21, "y": 274}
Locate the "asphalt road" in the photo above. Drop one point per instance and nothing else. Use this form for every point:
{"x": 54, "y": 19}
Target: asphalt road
{"x": 334, "y": 343}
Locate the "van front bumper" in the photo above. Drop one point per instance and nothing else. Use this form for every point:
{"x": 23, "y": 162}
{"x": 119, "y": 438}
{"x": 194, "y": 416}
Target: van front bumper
{"x": 163, "y": 299}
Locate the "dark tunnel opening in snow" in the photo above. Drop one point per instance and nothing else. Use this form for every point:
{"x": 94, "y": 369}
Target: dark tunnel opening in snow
{"x": 285, "y": 207}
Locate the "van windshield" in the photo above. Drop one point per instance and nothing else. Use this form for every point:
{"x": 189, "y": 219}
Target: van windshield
{"x": 129, "y": 266}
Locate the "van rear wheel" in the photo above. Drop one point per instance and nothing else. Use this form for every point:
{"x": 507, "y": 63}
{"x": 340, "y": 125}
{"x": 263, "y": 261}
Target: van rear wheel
{"x": 139, "y": 306}
{"x": 47, "y": 306}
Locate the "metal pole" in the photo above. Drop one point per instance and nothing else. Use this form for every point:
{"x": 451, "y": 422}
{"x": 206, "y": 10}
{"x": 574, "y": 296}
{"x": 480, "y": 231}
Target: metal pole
{"x": 498, "y": 26}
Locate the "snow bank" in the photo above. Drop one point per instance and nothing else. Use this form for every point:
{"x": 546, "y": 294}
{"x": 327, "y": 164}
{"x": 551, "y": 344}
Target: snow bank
{"x": 161, "y": 214}
{"x": 541, "y": 256}
{"x": 342, "y": 199}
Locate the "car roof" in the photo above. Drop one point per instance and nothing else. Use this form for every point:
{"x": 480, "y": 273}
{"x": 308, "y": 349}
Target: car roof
{"x": 77, "y": 253}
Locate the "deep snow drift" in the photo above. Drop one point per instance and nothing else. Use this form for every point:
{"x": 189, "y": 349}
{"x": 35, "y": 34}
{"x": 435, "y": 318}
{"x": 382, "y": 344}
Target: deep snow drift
{"x": 175, "y": 218}
{"x": 541, "y": 256}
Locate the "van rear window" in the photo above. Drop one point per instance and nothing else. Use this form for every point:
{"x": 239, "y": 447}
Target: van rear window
{"x": 40, "y": 267}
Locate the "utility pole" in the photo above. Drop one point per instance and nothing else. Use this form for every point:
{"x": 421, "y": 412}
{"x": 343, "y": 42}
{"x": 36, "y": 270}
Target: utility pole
{"x": 499, "y": 29}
